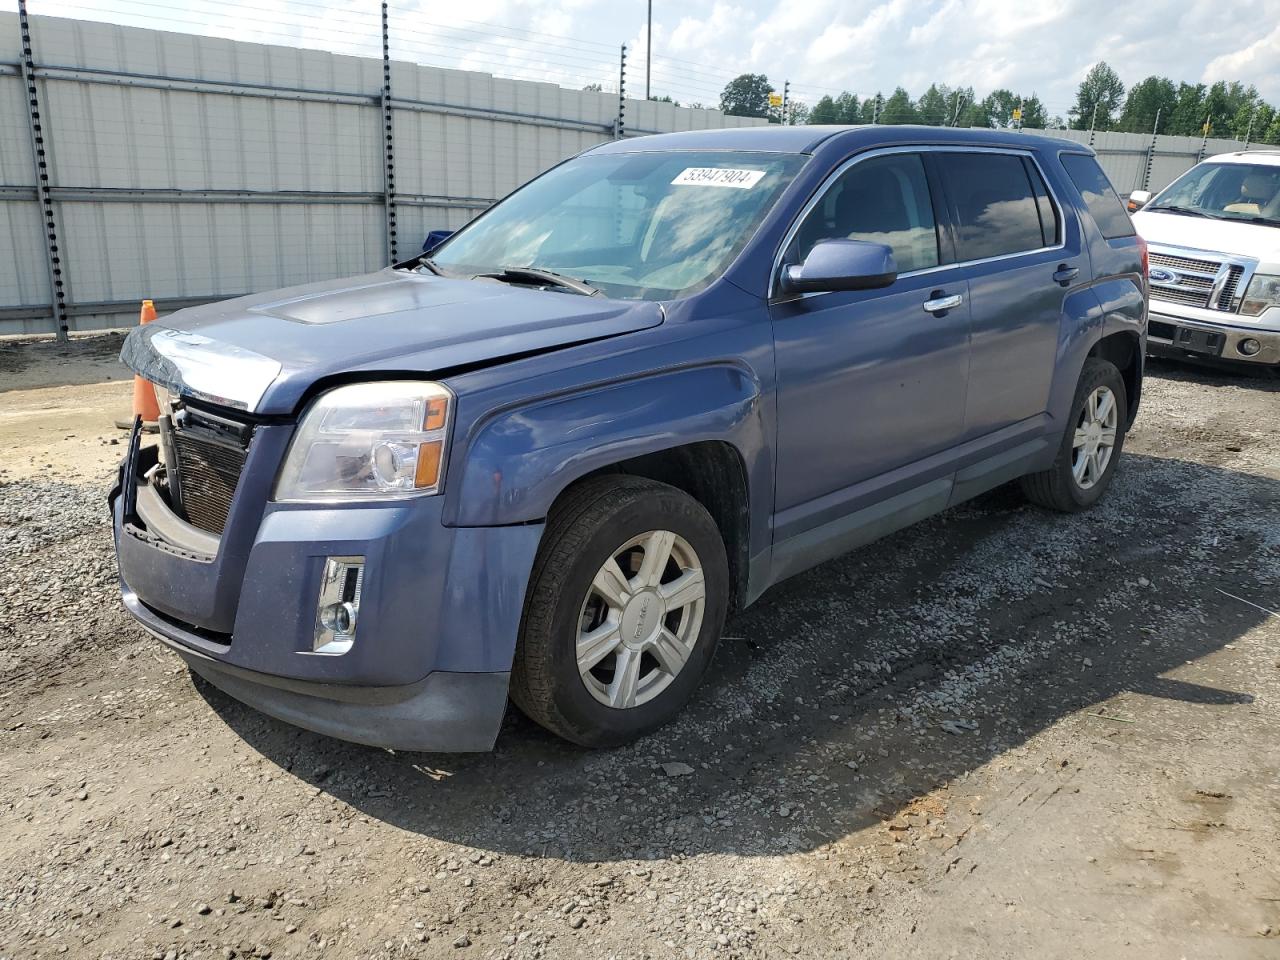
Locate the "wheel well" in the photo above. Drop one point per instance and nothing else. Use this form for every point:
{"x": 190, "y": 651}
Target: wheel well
{"x": 1122, "y": 349}
{"x": 712, "y": 473}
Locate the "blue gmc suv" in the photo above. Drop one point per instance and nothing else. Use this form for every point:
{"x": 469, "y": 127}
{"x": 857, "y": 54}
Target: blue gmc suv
{"x": 546, "y": 460}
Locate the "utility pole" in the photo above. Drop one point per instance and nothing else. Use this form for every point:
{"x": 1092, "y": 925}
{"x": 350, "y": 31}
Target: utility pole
{"x": 875, "y": 110}
{"x": 1204, "y": 142}
{"x": 956, "y": 118}
{"x": 619, "y": 126}
{"x": 1093, "y": 122}
{"x": 1248, "y": 134}
{"x": 648, "y": 52}
{"x": 786, "y": 92}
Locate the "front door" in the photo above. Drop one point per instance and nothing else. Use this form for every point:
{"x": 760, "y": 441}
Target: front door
{"x": 871, "y": 384}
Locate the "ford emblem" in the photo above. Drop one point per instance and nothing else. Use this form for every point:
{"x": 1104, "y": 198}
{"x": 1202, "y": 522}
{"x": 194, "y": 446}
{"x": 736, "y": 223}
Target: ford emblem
{"x": 1159, "y": 275}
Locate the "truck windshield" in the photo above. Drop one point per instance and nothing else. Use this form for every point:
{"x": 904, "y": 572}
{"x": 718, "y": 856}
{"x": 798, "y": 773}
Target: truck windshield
{"x": 1225, "y": 191}
{"x": 650, "y": 226}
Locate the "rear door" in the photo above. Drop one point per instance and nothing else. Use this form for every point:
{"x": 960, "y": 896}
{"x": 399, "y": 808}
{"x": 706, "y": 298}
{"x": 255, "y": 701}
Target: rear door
{"x": 1022, "y": 257}
{"x": 871, "y": 383}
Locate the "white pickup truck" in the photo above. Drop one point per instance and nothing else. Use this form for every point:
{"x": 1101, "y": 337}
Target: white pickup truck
{"x": 1214, "y": 237}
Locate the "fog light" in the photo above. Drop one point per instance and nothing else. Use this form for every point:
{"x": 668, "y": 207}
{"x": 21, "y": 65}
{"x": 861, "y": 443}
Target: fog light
{"x": 1249, "y": 346}
{"x": 338, "y": 607}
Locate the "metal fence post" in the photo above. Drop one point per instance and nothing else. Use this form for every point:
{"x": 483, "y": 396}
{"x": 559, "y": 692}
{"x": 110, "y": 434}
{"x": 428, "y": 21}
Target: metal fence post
{"x": 40, "y": 158}
{"x": 619, "y": 126}
{"x": 388, "y": 142}
{"x": 1151, "y": 151}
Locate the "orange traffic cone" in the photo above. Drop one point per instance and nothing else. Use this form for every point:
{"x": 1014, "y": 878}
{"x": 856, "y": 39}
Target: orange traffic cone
{"x": 144, "y": 392}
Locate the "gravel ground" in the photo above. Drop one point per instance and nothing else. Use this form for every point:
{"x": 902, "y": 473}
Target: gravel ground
{"x": 1000, "y": 733}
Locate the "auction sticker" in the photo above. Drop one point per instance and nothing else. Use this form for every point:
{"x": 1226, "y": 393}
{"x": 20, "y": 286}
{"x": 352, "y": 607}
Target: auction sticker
{"x": 719, "y": 177}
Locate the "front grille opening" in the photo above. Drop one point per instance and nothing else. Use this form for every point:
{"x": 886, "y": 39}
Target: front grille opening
{"x": 205, "y": 458}
{"x": 1182, "y": 263}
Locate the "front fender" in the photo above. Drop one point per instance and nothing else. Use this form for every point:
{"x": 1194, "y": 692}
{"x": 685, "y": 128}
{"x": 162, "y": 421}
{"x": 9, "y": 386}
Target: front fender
{"x": 518, "y": 460}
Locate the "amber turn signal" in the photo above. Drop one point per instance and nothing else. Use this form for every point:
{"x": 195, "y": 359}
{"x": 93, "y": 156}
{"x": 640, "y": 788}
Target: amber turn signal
{"x": 427, "y": 473}
{"x": 437, "y": 410}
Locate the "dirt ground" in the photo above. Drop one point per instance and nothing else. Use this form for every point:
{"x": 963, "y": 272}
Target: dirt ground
{"x": 1001, "y": 733}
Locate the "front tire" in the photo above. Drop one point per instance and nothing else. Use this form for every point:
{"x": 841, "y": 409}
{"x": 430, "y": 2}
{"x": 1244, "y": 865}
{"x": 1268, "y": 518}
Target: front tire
{"x": 1091, "y": 444}
{"x": 626, "y": 602}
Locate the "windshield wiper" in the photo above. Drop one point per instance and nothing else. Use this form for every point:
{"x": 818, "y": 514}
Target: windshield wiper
{"x": 518, "y": 274}
{"x": 1265, "y": 221}
{"x": 430, "y": 265}
{"x": 1185, "y": 211}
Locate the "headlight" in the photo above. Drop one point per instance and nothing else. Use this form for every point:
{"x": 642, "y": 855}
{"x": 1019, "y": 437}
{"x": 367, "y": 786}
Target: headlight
{"x": 369, "y": 441}
{"x": 1263, "y": 292}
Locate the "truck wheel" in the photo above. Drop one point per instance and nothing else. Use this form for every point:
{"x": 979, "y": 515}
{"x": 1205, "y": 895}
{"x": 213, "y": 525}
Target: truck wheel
{"x": 625, "y": 605}
{"x": 1091, "y": 444}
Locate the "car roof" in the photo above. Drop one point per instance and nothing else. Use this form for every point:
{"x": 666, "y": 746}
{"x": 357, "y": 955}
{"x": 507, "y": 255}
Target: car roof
{"x": 806, "y": 139}
{"x": 1269, "y": 158}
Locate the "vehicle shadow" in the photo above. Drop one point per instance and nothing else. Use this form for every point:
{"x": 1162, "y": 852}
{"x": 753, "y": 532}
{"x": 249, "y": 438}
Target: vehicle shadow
{"x": 852, "y": 689}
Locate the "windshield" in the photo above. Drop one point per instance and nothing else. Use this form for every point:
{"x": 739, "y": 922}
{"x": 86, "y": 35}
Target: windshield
{"x": 1225, "y": 191}
{"x": 649, "y": 226}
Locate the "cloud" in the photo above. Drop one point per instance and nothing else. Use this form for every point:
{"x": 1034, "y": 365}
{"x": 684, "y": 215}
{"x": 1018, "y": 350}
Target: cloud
{"x": 1258, "y": 63}
{"x": 821, "y": 46}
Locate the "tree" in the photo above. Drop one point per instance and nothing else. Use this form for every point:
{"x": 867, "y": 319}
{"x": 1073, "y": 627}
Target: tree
{"x": 869, "y": 111}
{"x": 824, "y": 111}
{"x": 746, "y": 96}
{"x": 1097, "y": 98}
{"x": 1148, "y": 99}
{"x": 847, "y": 108}
{"x": 1224, "y": 103}
{"x": 1034, "y": 114}
{"x": 998, "y": 106}
{"x": 1188, "y": 111}
{"x": 934, "y": 106}
{"x": 798, "y": 112}
{"x": 593, "y": 88}
{"x": 898, "y": 108}
{"x": 1273, "y": 131}
{"x": 1254, "y": 128}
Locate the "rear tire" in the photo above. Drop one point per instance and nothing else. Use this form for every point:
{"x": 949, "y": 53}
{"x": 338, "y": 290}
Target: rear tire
{"x": 1091, "y": 443}
{"x": 626, "y": 602}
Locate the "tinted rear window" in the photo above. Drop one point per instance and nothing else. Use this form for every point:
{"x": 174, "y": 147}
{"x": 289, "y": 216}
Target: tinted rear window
{"x": 1099, "y": 196}
{"x": 995, "y": 206}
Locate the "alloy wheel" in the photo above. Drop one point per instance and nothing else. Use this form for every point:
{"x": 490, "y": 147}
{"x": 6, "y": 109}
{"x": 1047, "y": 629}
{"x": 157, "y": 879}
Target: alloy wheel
{"x": 1095, "y": 438}
{"x": 640, "y": 619}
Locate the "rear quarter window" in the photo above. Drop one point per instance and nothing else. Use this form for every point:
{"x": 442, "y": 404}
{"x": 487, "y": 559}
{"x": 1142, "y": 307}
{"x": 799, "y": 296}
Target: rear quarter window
{"x": 1099, "y": 196}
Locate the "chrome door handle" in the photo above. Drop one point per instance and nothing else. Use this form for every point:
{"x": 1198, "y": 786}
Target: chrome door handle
{"x": 943, "y": 303}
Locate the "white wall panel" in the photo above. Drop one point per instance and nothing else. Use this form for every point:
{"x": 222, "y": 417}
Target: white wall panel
{"x": 152, "y": 122}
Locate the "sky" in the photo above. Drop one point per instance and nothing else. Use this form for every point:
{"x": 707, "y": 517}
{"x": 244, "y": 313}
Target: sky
{"x": 821, "y": 46}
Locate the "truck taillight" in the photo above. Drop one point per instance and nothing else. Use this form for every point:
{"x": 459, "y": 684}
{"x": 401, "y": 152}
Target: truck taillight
{"x": 1146, "y": 259}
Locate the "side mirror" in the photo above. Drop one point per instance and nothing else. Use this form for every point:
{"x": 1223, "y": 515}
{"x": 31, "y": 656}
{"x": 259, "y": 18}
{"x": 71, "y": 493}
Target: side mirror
{"x": 1139, "y": 199}
{"x": 434, "y": 239}
{"x": 841, "y": 265}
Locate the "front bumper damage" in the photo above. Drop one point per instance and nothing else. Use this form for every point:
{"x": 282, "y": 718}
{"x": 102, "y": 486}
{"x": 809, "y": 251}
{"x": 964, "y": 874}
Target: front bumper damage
{"x": 439, "y": 614}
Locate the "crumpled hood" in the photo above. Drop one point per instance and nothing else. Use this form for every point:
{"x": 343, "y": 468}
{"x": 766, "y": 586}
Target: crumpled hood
{"x": 1222, "y": 236}
{"x": 261, "y": 353}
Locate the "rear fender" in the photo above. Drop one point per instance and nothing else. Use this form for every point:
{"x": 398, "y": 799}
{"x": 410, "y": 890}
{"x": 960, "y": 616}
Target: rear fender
{"x": 1113, "y": 305}
{"x": 518, "y": 460}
